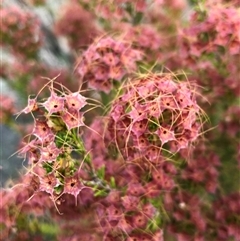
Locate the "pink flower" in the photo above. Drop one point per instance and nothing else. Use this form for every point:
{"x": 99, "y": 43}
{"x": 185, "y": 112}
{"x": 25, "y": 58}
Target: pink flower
{"x": 73, "y": 186}
{"x": 54, "y": 104}
{"x": 75, "y": 101}
{"x": 48, "y": 183}
{"x": 42, "y": 130}
{"x": 72, "y": 119}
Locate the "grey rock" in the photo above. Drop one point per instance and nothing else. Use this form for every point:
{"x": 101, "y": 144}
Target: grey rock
{"x": 10, "y": 166}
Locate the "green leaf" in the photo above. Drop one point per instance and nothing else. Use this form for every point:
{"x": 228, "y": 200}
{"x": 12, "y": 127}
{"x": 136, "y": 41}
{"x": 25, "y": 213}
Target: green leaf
{"x": 112, "y": 182}
{"x": 101, "y": 172}
{"x": 100, "y": 193}
{"x": 137, "y": 18}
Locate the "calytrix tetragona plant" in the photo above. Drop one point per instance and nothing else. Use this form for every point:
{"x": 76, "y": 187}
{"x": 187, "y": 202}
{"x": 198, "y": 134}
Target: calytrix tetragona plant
{"x": 155, "y": 116}
{"x": 55, "y": 150}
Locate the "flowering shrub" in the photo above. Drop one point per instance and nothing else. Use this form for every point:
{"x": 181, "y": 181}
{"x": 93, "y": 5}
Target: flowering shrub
{"x": 213, "y": 41}
{"x": 20, "y": 31}
{"x": 105, "y": 61}
{"x": 116, "y": 146}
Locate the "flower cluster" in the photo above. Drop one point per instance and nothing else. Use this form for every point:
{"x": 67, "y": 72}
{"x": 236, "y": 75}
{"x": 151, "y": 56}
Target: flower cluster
{"x": 212, "y": 42}
{"x": 143, "y": 37}
{"x": 211, "y": 33}
{"x": 105, "y": 61}
{"x": 19, "y": 213}
{"x": 155, "y": 115}
{"x": 226, "y": 213}
{"x": 120, "y": 10}
{"x": 128, "y": 217}
{"x": 20, "y": 31}
{"x": 187, "y": 211}
{"x": 125, "y": 212}
{"x": 194, "y": 218}
{"x": 76, "y": 24}
{"x": 54, "y": 140}
{"x": 201, "y": 171}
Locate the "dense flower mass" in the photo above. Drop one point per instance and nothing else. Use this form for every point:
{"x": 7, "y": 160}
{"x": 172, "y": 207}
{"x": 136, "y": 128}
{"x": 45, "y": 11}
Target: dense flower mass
{"x": 20, "y": 31}
{"x": 145, "y": 37}
{"x": 218, "y": 30}
{"x": 227, "y": 208}
{"x": 125, "y": 213}
{"x": 76, "y": 24}
{"x": 14, "y": 206}
{"x": 212, "y": 42}
{"x": 153, "y": 115}
{"x": 181, "y": 205}
{"x": 105, "y": 61}
{"x": 202, "y": 172}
